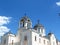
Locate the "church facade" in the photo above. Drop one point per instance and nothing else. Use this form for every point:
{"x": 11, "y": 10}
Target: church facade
{"x": 26, "y": 35}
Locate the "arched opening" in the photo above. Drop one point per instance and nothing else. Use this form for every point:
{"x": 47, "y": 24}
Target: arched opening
{"x": 25, "y": 40}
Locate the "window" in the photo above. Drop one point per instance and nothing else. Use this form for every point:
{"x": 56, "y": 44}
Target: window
{"x": 25, "y": 38}
{"x": 44, "y": 41}
{"x": 5, "y": 41}
{"x": 42, "y": 30}
{"x": 23, "y": 24}
{"x": 35, "y": 38}
{"x": 47, "y": 42}
{"x": 12, "y": 42}
{"x": 39, "y": 30}
{"x": 29, "y": 25}
{"x": 39, "y": 40}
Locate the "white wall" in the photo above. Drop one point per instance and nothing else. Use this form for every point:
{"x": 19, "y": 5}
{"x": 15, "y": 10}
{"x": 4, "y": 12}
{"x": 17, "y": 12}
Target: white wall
{"x": 14, "y": 38}
{"x": 52, "y": 40}
{"x": 9, "y": 38}
{"x": 39, "y": 42}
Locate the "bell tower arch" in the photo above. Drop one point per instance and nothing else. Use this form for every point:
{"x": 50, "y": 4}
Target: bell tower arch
{"x": 25, "y": 22}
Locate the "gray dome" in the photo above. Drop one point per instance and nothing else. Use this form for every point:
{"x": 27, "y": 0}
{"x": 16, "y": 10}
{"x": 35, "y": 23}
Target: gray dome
{"x": 25, "y": 18}
{"x": 38, "y": 26}
{"x": 50, "y": 33}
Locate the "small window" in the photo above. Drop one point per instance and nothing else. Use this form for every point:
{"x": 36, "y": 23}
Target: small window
{"x": 44, "y": 41}
{"x": 47, "y": 42}
{"x": 35, "y": 38}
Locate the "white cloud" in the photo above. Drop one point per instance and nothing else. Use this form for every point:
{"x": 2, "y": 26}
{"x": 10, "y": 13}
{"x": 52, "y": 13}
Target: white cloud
{"x": 4, "y": 20}
{"x": 3, "y": 30}
{"x": 58, "y": 3}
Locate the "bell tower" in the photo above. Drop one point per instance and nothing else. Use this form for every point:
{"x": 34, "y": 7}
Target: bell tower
{"x": 25, "y": 22}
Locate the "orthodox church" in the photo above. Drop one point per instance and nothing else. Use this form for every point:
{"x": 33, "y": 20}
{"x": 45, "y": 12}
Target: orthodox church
{"x": 26, "y": 35}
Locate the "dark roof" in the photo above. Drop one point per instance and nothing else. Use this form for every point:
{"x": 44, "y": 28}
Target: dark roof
{"x": 50, "y": 33}
{"x": 25, "y": 18}
{"x": 38, "y": 25}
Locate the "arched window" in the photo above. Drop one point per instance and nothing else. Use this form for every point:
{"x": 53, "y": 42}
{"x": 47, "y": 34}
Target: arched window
{"x": 25, "y": 38}
{"x": 44, "y": 41}
{"x": 12, "y": 42}
{"x": 23, "y": 24}
{"x": 5, "y": 41}
{"x": 39, "y": 30}
{"x": 29, "y": 25}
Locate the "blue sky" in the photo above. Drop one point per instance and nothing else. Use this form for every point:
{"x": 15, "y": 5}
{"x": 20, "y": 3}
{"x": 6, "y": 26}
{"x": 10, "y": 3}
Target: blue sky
{"x": 46, "y": 11}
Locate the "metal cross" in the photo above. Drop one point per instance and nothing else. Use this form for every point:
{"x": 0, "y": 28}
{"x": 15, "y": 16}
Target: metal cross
{"x": 38, "y": 21}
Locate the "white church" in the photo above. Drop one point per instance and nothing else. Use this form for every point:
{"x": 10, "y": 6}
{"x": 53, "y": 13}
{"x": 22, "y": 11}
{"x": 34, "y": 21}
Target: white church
{"x": 26, "y": 35}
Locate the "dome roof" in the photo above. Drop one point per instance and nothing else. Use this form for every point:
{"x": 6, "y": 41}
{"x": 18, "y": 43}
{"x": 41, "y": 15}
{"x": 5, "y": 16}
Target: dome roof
{"x": 38, "y": 25}
{"x": 25, "y": 18}
{"x": 50, "y": 33}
